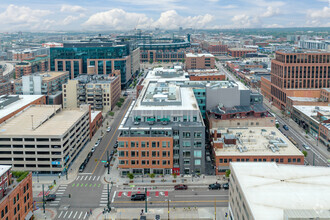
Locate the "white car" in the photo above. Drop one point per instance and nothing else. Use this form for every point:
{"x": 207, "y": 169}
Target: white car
{"x": 97, "y": 143}
{"x": 108, "y": 129}
{"x": 306, "y": 147}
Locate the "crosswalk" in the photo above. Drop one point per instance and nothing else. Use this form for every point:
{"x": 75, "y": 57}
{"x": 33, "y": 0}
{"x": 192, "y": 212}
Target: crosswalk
{"x": 73, "y": 214}
{"x": 104, "y": 197}
{"x": 88, "y": 178}
{"x": 59, "y": 193}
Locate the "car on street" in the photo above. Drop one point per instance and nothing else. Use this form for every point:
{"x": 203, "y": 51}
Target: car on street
{"x": 93, "y": 149}
{"x": 138, "y": 197}
{"x": 97, "y": 143}
{"x": 285, "y": 127}
{"x": 50, "y": 197}
{"x": 82, "y": 167}
{"x": 181, "y": 187}
{"x": 89, "y": 155}
{"x": 125, "y": 94}
{"x": 116, "y": 145}
{"x": 112, "y": 153}
{"x": 215, "y": 186}
{"x": 225, "y": 185}
{"x": 306, "y": 146}
{"x": 108, "y": 129}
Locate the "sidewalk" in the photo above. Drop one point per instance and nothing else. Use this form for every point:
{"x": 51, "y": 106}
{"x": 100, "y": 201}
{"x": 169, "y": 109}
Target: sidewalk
{"x": 311, "y": 140}
{"x": 166, "y": 180}
{"x": 49, "y": 213}
{"x": 175, "y": 213}
{"x": 48, "y": 180}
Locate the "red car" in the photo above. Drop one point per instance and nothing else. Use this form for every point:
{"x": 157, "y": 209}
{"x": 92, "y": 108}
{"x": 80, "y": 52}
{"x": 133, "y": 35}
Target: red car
{"x": 181, "y": 187}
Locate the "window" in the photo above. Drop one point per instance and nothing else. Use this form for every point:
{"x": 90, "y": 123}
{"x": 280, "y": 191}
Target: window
{"x": 298, "y": 160}
{"x": 17, "y": 196}
{"x": 225, "y": 161}
{"x": 14, "y": 200}
{"x": 198, "y": 134}
{"x": 198, "y": 153}
{"x": 281, "y": 160}
{"x": 153, "y": 153}
{"x": 143, "y": 144}
{"x": 197, "y": 144}
{"x": 132, "y": 143}
{"x": 143, "y": 162}
{"x": 164, "y": 144}
{"x": 294, "y": 160}
{"x": 153, "y": 162}
{"x": 186, "y": 153}
{"x": 121, "y": 144}
{"x": 164, "y": 162}
{"x": 198, "y": 162}
{"x": 186, "y": 134}
{"x": 153, "y": 144}
{"x": 164, "y": 153}
{"x": 132, "y": 153}
{"x": 121, "y": 153}
{"x": 220, "y": 160}
{"x": 186, "y": 144}
{"x": 133, "y": 162}
{"x": 186, "y": 162}
{"x": 143, "y": 154}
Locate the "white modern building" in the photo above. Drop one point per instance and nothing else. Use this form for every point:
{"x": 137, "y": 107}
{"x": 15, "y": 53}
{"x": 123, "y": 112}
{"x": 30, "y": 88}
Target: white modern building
{"x": 276, "y": 191}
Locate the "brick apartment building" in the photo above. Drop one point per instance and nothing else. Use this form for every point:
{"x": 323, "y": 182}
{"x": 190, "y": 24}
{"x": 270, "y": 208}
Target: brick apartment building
{"x": 31, "y": 65}
{"x": 218, "y": 49}
{"x": 200, "y": 61}
{"x": 240, "y": 52}
{"x": 299, "y": 74}
{"x": 16, "y": 198}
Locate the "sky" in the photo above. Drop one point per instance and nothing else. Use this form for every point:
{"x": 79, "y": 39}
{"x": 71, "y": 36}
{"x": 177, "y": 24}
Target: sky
{"x": 108, "y": 15}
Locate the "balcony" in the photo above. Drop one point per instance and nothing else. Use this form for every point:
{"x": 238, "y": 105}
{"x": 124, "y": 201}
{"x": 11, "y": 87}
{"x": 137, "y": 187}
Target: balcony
{"x": 176, "y": 147}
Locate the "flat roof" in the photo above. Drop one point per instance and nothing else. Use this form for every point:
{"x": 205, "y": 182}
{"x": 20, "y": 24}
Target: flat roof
{"x": 23, "y": 101}
{"x": 53, "y": 74}
{"x": 47, "y": 120}
{"x": 199, "y": 55}
{"x": 303, "y": 99}
{"x": 271, "y": 188}
{"x": 4, "y": 169}
{"x": 312, "y": 110}
{"x": 266, "y": 141}
{"x": 242, "y": 49}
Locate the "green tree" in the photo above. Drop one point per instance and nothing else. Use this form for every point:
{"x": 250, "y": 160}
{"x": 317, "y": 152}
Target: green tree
{"x": 130, "y": 176}
{"x": 152, "y": 175}
{"x": 118, "y": 104}
{"x": 183, "y": 60}
{"x": 277, "y": 125}
{"x": 304, "y": 153}
{"x": 227, "y": 173}
{"x": 174, "y": 175}
{"x": 151, "y": 61}
{"x": 111, "y": 113}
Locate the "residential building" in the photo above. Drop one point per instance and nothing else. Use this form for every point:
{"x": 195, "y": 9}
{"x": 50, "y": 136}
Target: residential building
{"x": 96, "y": 122}
{"x": 163, "y": 132}
{"x": 265, "y": 87}
{"x": 105, "y": 57}
{"x": 275, "y": 191}
{"x": 293, "y": 101}
{"x": 16, "y": 198}
{"x": 207, "y": 77}
{"x": 199, "y": 61}
{"x": 20, "y": 55}
{"x": 44, "y": 138}
{"x": 252, "y": 144}
{"x": 5, "y": 87}
{"x": 100, "y": 91}
{"x": 217, "y": 49}
{"x": 325, "y": 95}
{"x": 240, "y": 52}
{"x": 299, "y": 74}
{"x": 10, "y": 105}
{"x": 47, "y": 83}
{"x": 31, "y": 65}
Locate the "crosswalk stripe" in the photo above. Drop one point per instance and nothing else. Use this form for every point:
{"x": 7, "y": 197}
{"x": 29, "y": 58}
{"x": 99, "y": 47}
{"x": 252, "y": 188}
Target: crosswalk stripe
{"x": 98, "y": 178}
{"x": 77, "y": 177}
{"x": 65, "y": 214}
{"x": 70, "y": 214}
{"x": 102, "y": 204}
{"x": 61, "y": 190}
{"x": 85, "y": 215}
{"x": 94, "y": 178}
{"x": 75, "y": 215}
{"x": 80, "y": 215}
{"x": 104, "y": 198}
{"x": 90, "y": 178}
{"x": 59, "y": 193}
{"x": 59, "y": 216}
{"x": 86, "y": 177}
{"x": 53, "y": 204}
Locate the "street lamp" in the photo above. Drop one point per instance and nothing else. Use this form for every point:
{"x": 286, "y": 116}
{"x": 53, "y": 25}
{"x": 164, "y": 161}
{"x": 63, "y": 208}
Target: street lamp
{"x": 192, "y": 176}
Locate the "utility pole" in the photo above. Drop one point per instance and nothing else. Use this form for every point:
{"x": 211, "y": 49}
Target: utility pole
{"x": 146, "y": 211}
{"x": 215, "y": 209}
{"x": 43, "y": 197}
{"x": 108, "y": 161}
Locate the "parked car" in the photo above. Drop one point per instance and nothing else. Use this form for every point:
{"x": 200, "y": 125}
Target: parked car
{"x": 286, "y": 127}
{"x": 108, "y": 129}
{"x": 97, "y": 143}
{"x": 82, "y": 167}
{"x": 225, "y": 185}
{"x": 306, "y": 146}
{"x": 90, "y": 154}
{"x": 181, "y": 187}
{"x": 125, "y": 94}
{"x": 138, "y": 197}
{"x": 93, "y": 149}
{"x": 215, "y": 186}
{"x": 116, "y": 145}
{"x": 112, "y": 153}
{"x": 50, "y": 197}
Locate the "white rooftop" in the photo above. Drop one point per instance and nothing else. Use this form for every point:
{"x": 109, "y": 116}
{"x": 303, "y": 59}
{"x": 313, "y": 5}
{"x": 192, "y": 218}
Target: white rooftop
{"x": 271, "y": 188}
{"x": 94, "y": 114}
{"x": 303, "y": 99}
{"x": 252, "y": 141}
{"x": 23, "y": 101}
{"x": 199, "y": 55}
{"x": 311, "y": 111}
{"x": 4, "y": 169}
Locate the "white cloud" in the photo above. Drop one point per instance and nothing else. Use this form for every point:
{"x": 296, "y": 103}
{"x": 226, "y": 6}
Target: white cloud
{"x": 22, "y": 16}
{"x": 271, "y": 11}
{"x": 69, "y": 19}
{"x": 318, "y": 17}
{"x": 245, "y": 21}
{"x": 121, "y": 20}
{"x": 273, "y": 26}
{"x": 72, "y": 8}
{"x": 228, "y": 6}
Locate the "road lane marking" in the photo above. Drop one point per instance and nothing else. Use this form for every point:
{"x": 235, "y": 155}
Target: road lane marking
{"x": 113, "y": 197}
{"x": 85, "y": 215}
{"x": 201, "y": 195}
{"x": 98, "y": 161}
{"x": 98, "y": 178}
{"x": 59, "y": 216}
{"x": 90, "y": 178}
{"x": 80, "y": 215}
{"x": 70, "y": 214}
{"x": 94, "y": 178}
{"x": 59, "y": 193}
{"x": 75, "y": 215}
{"x": 195, "y": 201}
{"x": 86, "y": 178}
{"x": 77, "y": 177}
{"x": 53, "y": 204}
{"x": 86, "y": 173}
{"x": 65, "y": 214}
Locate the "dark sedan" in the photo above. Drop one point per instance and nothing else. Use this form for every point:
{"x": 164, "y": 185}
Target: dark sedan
{"x": 180, "y": 187}
{"x": 215, "y": 186}
{"x": 225, "y": 186}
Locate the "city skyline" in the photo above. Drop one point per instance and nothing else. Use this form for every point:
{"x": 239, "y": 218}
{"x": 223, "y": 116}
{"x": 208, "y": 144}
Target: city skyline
{"x": 18, "y": 15}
